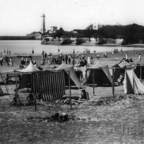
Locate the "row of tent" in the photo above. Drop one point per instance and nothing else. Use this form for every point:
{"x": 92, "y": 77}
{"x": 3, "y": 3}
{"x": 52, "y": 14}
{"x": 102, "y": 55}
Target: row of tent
{"x": 99, "y": 73}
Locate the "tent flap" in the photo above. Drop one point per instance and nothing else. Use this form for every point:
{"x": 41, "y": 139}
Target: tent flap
{"x": 132, "y": 84}
{"x": 69, "y": 69}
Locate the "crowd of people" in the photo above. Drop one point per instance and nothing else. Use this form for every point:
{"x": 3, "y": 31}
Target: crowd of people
{"x": 8, "y": 60}
{"x": 50, "y": 59}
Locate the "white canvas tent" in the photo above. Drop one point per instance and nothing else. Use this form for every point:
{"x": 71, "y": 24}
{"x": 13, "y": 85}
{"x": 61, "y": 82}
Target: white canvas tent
{"x": 29, "y": 68}
{"x": 73, "y": 76}
{"x": 132, "y": 84}
{"x": 25, "y": 80}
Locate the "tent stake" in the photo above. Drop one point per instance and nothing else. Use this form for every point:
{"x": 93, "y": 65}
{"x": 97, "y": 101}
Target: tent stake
{"x": 113, "y": 82}
{"x": 70, "y": 91}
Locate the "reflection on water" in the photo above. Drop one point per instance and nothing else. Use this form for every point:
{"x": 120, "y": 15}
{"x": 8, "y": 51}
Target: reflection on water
{"x": 26, "y": 47}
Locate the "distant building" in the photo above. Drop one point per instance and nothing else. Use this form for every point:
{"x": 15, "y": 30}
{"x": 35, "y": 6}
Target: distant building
{"x": 53, "y": 29}
{"x": 92, "y": 27}
{"x": 37, "y": 35}
{"x": 100, "y": 26}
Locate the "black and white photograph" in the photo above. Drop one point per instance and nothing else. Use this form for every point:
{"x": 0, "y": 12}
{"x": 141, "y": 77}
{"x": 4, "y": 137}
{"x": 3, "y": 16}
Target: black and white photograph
{"x": 71, "y": 72}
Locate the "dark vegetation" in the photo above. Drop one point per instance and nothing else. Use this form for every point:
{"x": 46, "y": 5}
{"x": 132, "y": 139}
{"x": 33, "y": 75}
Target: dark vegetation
{"x": 133, "y": 33}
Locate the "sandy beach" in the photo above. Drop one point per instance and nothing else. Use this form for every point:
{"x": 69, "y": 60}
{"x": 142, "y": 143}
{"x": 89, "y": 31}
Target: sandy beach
{"x": 118, "y": 120}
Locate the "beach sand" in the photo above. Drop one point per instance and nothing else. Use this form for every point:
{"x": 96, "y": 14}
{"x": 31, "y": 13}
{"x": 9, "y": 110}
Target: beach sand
{"x": 119, "y": 121}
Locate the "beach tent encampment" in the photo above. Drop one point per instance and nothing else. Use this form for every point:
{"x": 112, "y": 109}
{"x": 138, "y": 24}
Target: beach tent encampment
{"x": 69, "y": 69}
{"x": 49, "y": 84}
{"x": 132, "y": 84}
{"x": 98, "y": 74}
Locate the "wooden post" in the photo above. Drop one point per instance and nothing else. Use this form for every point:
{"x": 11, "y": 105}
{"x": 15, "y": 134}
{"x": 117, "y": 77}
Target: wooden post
{"x": 33, "y": 89}
{"x": 70, "y": 91}
{"x": 16, "y": 89}
{"x": 113, "y": 82}
{"x": 93, "y": 83}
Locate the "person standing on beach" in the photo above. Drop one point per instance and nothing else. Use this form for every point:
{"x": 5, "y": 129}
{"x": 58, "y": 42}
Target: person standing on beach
{"x": 69, "y": 59}
{"x": 1, "y": 61}
{"x": 139, "y": 57}
{"x": 73, "y": 52}
{"x": 11, "y": 61}
{"x": 73, "y": 62}
{"x": 89, "y": 60}
{"x": 66, "y": 58}
{"x": 126, "y": 55}
{"x": 135, "y": 53}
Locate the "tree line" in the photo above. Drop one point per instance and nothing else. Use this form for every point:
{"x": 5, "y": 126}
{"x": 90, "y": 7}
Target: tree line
{"x": 133, "y": 33}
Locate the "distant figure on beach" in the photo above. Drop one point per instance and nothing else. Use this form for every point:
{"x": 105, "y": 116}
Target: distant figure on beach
{"x": 7, "y": 60}
{"x": 84, "y": 62}
{"x": 69, "y": 59}
{"x": 32, "y": 51}
{"x": 139, "y": 57}
{"x": 73, "y": 52}
{"x": 121, "y": 51}
{"x": 66, "y": 58}
{"x": 11, "y": 61}
{"x": 1, "y": 61}
{"x": 135, "y": 53}
{"x": 73, "y": 62}
{"x": 105, "y": 55}
{"x": 89, "y": 60}
{"x": 126, "y": 56}
{"x": 98, "y": 56}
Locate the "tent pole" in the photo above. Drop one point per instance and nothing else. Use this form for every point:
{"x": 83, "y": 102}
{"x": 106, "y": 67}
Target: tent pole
{"x": 16, "y": 88}
{"x": 93, "y": 82}
{"x": 33, "y": 89}
{"x": 70, "y": 91}
{"x": 113, "y": 82}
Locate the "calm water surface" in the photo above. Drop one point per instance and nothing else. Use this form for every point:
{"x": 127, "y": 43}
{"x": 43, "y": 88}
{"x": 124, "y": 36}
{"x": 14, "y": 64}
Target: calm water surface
{"x": 26, "y": 47}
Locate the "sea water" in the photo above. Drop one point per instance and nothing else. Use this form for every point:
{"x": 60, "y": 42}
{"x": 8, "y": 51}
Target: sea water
{"x": 26, "y": 46}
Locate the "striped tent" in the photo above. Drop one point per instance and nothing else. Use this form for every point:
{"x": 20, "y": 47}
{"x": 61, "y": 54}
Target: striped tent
{"x": 49, "y": 85}
{"x": 69, "y": 69}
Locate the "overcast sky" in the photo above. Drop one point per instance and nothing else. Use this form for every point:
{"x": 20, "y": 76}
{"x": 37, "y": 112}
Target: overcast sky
{"x": 20, "y": 17}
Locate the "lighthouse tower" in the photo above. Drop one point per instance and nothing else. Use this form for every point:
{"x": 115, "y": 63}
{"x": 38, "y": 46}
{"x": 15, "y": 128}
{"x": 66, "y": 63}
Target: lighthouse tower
{"x": 43, "y": 28}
